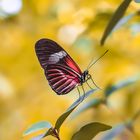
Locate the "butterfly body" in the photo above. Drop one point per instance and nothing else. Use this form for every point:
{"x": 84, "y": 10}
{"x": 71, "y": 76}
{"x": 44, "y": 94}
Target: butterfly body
{"x": 61, "y": 71}
{"x": 85, "y": 76}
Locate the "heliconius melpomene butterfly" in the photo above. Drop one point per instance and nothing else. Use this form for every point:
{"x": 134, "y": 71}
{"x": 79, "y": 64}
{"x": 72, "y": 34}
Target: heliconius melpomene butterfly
{"x": 62, "y": 73}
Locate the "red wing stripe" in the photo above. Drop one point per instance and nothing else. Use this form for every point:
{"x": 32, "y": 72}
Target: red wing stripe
{"x": 64, "y": 85}
{"x": 59, "y": 82}
{"x": 68, "y": 87}
{"x": 52, "y": 79}
{"x": 71, "y": 70}
{"x": 67, "y": 70}
{"x": 54, "y": 74}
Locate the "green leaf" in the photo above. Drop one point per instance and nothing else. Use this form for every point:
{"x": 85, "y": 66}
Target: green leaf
{"x": 41, "y": 136}
{"x": 90, "y": 130}
{"x": 115, "y": 19}
{"x": 112, "y": 88}
{"x": 87, "y": 105}
{"x": 48, "y": 132}
{"x": 36, "y": 127}
{"x": 63, "y": 117}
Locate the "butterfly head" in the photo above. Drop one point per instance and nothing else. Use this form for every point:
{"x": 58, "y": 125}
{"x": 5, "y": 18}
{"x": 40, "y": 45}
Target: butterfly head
{"x": 85, "y": 76}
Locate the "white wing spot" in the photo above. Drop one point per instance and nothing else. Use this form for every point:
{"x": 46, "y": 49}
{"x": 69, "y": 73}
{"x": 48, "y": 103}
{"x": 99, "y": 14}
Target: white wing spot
{"x": 54, "y": 58}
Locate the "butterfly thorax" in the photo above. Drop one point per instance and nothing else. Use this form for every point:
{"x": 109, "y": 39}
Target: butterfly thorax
{"x": 85, "y": 76}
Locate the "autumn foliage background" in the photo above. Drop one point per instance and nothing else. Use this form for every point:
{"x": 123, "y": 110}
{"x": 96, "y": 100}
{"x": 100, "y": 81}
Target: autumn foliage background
{"x": 25, "y": 96}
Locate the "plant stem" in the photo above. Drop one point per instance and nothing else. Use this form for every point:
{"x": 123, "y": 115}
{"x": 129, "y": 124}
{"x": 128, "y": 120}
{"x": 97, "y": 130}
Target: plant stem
{"x": 58, "y": 138}
{"x": 56, "y": 134}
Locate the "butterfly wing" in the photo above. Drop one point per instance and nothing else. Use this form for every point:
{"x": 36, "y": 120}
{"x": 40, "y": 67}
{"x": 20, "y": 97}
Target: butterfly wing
{"x": 61, "y": 79}
{"x": 62, "y": 73}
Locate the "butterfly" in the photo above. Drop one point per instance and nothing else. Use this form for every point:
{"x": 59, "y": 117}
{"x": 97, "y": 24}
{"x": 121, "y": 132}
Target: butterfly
{"x": 61, "y": 71}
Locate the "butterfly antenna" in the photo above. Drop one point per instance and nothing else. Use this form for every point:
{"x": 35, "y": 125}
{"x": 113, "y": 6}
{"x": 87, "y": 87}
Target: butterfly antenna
{"x": 91, "y": 64}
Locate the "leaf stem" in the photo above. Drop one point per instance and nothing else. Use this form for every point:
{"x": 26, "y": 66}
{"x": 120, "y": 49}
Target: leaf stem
{"x": 56, "y": 134}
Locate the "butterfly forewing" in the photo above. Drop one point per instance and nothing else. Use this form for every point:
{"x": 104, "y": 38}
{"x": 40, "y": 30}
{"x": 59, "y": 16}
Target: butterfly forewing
{"x": 62, "y": 73}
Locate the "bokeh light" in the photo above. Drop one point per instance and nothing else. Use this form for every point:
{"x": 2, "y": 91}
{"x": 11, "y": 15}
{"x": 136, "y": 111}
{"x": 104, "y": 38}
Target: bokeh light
{"x": 6, "y": 87}
{"x": 10, "y": 7}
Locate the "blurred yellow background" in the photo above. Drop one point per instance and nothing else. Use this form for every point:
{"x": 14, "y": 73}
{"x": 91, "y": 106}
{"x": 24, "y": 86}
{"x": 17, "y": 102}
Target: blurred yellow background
{"x": 77, "y": 25}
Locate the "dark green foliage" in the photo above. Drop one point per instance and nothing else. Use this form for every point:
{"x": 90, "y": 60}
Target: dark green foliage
{"x": 89, "y": 131}
{"x": 115, "y": 19}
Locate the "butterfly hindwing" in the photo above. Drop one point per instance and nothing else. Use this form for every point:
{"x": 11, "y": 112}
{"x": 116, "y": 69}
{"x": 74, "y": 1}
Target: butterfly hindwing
{"x": 61, "y": 79}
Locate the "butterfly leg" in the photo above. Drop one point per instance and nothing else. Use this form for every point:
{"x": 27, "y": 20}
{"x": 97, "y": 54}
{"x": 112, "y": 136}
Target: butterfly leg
{"x": 89, "y": 85}
{"x": 83, "y": 92}
{"x": 94, "y": 83}
{"x": 79, "y": 92}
